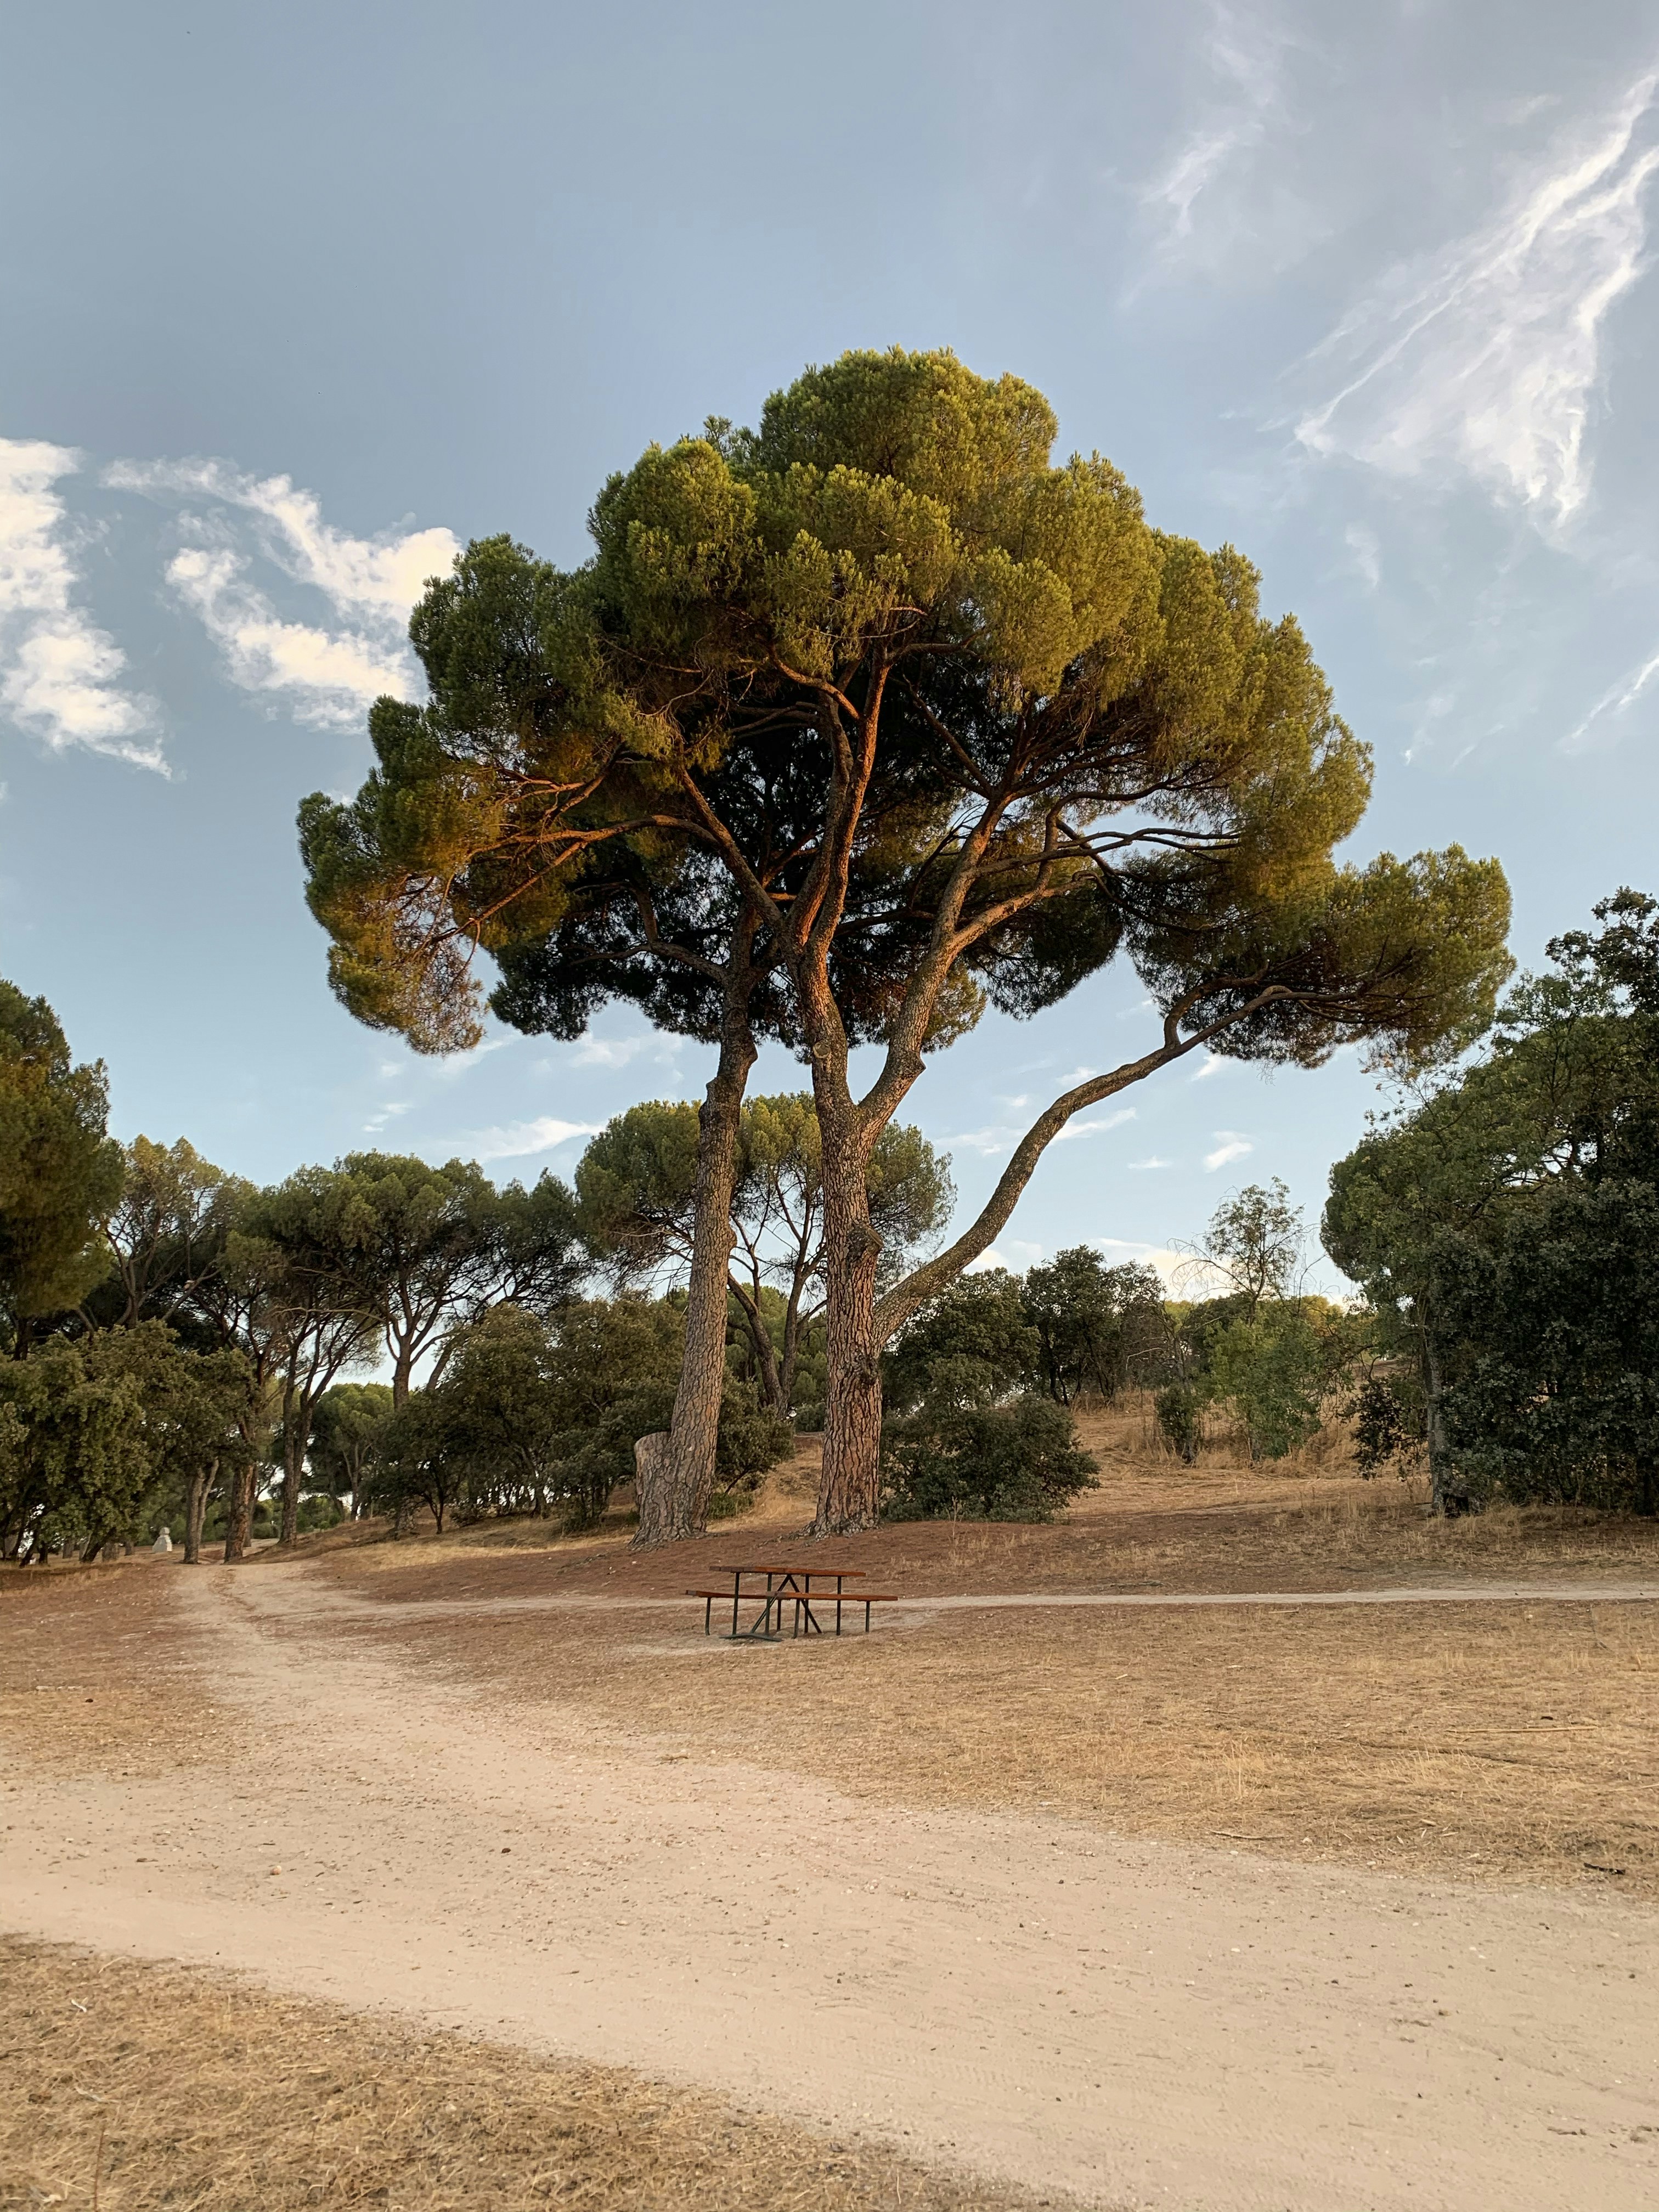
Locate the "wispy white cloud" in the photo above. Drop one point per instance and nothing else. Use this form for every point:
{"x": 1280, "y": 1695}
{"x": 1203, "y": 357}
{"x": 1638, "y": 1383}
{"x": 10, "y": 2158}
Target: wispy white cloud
{"x": 593, "y": 1051}
{"x": 989, "y": 1141}
{"x": 1614, "y": 702}
{"x": 516, "y": 1140}
{"x": 1232, "y": 1147}
{"x": 360, "y": 576}
{"x": 1488, "y": 358}
{"x": 1243, "y": 58}
{"x": 455, "y": 1064}
{"x": 330, "y": 678}
{"x": 1212, "y": 1064}
{"x": 1139, "y": 1167}
{"x": 1095, "y": 1127}
{"x": 59, "y": 673}
{"x": 326, "y": 673}
{"x": 1362, "y": 543}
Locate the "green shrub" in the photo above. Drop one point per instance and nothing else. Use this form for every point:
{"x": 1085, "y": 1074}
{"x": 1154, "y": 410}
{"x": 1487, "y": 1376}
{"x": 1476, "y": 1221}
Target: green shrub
{"x": 1180, "y": 1410}
{"x": 1019, "y": 1461}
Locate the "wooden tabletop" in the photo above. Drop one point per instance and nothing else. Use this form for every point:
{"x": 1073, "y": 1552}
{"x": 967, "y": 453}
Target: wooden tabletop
{"x": 798, "y": 1567}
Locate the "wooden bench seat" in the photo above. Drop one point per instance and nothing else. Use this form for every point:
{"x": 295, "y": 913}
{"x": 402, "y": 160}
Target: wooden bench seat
{"x": 771, "y": 1601}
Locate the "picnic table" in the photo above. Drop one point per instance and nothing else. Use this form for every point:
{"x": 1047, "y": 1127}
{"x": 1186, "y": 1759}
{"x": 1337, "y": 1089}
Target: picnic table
{"x": 787, "y": 1582}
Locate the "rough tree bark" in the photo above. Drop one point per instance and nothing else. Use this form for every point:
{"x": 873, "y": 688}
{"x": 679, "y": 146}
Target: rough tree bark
{"x": 238, "y": 1512}
{"x": 849, "y": 1488}
{"x": 676, "y": 1477}
{"x": 196, "y": 1498}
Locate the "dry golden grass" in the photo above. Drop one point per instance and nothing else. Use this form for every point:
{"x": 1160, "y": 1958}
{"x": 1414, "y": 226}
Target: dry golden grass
{"x": 98, "y": 1674}
{"x": 1494, "y": 1742}
{"x": 133, "y": 2087}
{"x": 1308, "y": 1523}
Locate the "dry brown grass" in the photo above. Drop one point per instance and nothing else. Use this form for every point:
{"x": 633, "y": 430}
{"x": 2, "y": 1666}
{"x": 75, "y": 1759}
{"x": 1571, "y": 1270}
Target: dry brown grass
{"x": 133, "y": 2087}
{"x": 1500, "y": 1743}
{"x": 1308, "y": 1523}
{"x": 98, "y": 1674}
{"x": 1493, "y": 1743}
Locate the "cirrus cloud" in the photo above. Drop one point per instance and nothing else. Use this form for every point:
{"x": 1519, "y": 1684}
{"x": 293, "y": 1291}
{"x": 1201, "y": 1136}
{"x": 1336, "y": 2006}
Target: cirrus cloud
{"x": 1487, "y": 355}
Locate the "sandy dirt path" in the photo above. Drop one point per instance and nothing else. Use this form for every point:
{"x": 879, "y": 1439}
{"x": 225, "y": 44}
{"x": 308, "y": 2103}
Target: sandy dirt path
{"x": 1139, "y": 2024}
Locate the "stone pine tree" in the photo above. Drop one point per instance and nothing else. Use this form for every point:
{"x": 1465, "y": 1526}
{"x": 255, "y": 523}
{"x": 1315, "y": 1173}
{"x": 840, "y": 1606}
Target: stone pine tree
{"x": 602, "y": 887}
{"x": 1024, "y": 734}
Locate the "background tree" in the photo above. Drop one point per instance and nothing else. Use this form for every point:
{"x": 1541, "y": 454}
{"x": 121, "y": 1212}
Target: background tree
{"x": 1498, "y": 1227}
{"x": 60, "y": 1173}
{"x": 1097, "y": 1327}
{"x": 294, "y": 1248}
{"x": 433, "y": 1247}
{"x": 972, "y": 1345}
{"x": 80, "y": 1465}
{"x": 1255, "y": 1240}
{"x": 636, "y": 1183}
{"x": 348, "y": 1433}
{"x": 418, "y": 1237}
{"x": 165, "y": 1235}
{"x": 886, "y": 600}
{"x": 108, "y": 1432}
{"x": 974, "y": 1462}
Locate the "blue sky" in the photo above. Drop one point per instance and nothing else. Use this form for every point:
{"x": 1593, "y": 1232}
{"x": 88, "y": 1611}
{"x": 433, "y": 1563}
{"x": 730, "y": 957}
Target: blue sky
{"x": 296, "y": 299}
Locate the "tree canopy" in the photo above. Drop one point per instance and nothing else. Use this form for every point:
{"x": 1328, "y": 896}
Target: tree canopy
{"x": 940, "y": 723}
{"x": 60, "y": 1172}
{"x": 1501, "y": 1225}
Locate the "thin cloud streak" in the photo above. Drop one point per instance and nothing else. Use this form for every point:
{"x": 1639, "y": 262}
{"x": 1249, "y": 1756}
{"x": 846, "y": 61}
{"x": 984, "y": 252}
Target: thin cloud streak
{"x": 59, "y": 673}
{"x": 1232, "y": 1147}
{"x": 1095, "y": 1128}
{"x": 1489, "y": 359}
{"x": 1614, "y": 702}
{"x": 1235, "y": 124}
{"x": 518, "y": 1140}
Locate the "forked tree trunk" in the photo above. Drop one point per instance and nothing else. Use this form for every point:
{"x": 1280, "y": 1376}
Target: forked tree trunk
{"x": 771, "y": 1381}
{"x": 675, "y": 1478}
{"x": 196, "y": 1498}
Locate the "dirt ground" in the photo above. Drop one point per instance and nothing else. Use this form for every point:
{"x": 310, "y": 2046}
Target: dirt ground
{"x": 173, "y": 2087}
{"x": 1304, "y": 1905}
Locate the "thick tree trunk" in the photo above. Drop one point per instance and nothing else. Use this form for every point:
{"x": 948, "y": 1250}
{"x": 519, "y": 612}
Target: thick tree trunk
{"x": 849, "y": 1488}
{"x": 239, "y": 1511}
{"x": 196, "y": 1498}
{"x": 652, "y": 1488}
{"x": 673, "y": 1496}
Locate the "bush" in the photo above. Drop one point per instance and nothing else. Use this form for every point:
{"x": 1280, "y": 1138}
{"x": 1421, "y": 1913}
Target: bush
{"x": 1180, "y": 1410}
{"x": 1016, "y": 1462}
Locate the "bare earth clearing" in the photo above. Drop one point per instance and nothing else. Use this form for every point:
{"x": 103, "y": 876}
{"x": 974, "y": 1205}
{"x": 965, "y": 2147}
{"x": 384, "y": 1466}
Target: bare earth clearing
{"x": 1322, "y": 1906}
